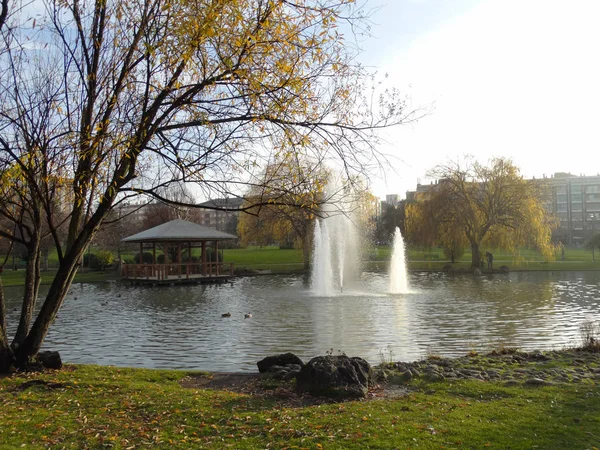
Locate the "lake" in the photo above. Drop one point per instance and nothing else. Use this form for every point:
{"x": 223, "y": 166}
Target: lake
{"x": 181, "y": 327}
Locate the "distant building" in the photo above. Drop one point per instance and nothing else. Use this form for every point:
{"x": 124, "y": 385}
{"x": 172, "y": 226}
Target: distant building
{"x": 575, "y": 200}
{"x": 221, "y": 214}
{"x": 420, "y": 193}
{"x": 392, "y": 199}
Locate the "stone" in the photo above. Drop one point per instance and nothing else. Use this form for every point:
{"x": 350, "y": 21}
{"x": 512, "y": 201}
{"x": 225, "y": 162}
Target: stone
{"x": 280, "y": 374}
{"x": 504, "y": 269}
{"x": 536, "y": 382}
{"x": 415, "y": 373}
{"x": 278, "y": 360}
{"x": 335, "y": 376}
{"x": 49, "y": 360}
{"x": 434, "y": 376}
{"x": 291, "y": 374}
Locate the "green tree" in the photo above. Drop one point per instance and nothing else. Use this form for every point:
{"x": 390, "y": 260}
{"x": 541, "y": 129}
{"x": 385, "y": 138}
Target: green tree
{"x": 479, "y": 205}
{"x": 592, "y": 244}
{"x": 127, "y": 98}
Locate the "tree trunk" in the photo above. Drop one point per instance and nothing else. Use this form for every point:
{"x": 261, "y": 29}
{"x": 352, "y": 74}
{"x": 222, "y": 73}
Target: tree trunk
{"x": 306, "y": 252}
{"x": 32, "y": 285}
{"x": 58, "y": 290}
{"x": 6, "y": 353}
{"x": 475, "y": 256}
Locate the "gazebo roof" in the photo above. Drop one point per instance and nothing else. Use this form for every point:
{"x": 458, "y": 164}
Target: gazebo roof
{"x": 179, "y": 230}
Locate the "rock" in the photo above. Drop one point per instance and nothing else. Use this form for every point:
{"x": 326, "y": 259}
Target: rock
{"x": 278, "y": 360}
{"x": 291, "y": 374}
{"x": 49, "y": 360}
{"x": 280, "y": 374}
{"x": 536, "y": 382}
{"x": 401, "y": 378}
{"x": 434, "y": 376}
{"x": 504, "y": 269}
{"x": 335, "y": 376}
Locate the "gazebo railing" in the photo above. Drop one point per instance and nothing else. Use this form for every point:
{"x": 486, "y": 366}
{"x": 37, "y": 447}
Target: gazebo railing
{"x": 172, "y": 271}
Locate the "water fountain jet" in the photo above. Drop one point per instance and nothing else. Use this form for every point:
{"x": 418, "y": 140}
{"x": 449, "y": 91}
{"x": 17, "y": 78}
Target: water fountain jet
{"x": 398, "y": 275}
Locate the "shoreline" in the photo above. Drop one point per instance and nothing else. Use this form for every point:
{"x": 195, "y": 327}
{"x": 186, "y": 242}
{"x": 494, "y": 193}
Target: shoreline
{"x": 16, "y": 278}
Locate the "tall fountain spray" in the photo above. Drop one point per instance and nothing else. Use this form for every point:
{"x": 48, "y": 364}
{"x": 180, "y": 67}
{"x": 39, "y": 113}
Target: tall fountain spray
{"x": 398, "y": 275}
{"x": 336, "y": 255}
{"x": 322, "y": 275}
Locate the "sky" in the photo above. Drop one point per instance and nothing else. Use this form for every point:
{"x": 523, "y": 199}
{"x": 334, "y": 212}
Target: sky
{"x": 497, "y": 78}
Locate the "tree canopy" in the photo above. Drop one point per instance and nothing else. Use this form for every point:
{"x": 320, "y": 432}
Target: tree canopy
{"x": 108, "y": 99}
{"x": 475, "y": 204}
{"x": 592, "y": 244}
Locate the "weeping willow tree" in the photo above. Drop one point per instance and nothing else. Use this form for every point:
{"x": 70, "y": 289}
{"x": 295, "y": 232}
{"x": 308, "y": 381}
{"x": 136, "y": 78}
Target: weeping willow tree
{"x": 107, "y": 99}
{"x": 475, "y": 204}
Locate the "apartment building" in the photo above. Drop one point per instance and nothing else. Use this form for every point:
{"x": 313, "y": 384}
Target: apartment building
{"x": 576, "y": 202}
{"x": 221, "y": 214}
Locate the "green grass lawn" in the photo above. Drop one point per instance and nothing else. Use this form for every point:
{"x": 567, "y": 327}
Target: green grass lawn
{"x": 287, "y": 260}
{"x": 96, "y": 407}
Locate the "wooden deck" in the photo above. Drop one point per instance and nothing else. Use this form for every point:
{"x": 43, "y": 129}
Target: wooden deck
{"x": 177, "y": 273}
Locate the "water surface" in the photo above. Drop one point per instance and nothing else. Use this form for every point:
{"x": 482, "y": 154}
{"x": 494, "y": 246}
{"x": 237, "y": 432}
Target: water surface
{"x": 181, "y": 326}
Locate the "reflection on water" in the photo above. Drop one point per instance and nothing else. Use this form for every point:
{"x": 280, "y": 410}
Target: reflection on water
{"x": 182, "y": 327}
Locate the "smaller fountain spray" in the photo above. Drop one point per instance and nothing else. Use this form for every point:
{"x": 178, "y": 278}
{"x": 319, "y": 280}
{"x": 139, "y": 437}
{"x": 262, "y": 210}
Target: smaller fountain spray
{"x": 398, "y": 275}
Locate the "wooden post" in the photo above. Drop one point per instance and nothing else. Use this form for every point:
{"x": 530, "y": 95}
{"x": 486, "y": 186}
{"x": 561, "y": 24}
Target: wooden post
{"x": 217, "y": 256}
{"x": 189, "y": 261}
{"x": 203, "y": 257}
{"x": 154, "y": 271}
{"x": 179, "y": 260}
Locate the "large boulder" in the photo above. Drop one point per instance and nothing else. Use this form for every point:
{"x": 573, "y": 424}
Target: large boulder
{"x": 49, "y": 360}
{"x": 335, "y": 376}
{"x": 283, "y": 359}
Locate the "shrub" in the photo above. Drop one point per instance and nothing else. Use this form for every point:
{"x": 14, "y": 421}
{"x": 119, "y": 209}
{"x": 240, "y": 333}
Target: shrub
{"x": 104, "y": 259}
{"x": 147, "y": 258}
{"x": 590, "y": 336}
{"x": 212, "y": 256}
{"x": 90, "y": 261}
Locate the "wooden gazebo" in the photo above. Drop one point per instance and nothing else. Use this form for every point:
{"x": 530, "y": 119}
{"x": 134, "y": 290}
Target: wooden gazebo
{"x": 178, "y": 235}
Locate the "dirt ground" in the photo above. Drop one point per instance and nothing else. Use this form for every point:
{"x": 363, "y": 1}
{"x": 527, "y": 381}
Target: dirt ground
{"x": 281, "y": 392}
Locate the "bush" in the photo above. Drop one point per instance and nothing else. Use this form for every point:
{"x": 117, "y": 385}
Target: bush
{"x": 147, "y": 258}
{"x": 90, "y": 261}
{"x": 212, "y": 256}
{"x": 590, "y": 336}
{"x": 104, "y": 259}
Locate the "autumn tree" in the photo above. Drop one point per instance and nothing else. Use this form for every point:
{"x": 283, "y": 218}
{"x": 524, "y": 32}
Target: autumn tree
{"x": 105, "y": 99}
{"x": 285, "y": 186}
{"x": 592, "y": 244}
{"x": 391, "y": 216}
{"x": 477, "y": 204}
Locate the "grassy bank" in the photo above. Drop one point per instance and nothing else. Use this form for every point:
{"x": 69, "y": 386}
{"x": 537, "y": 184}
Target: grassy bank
{"x": 17, "y": 277}
{"x": 94, "y": 407}
{"x": 279, "y": 260}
